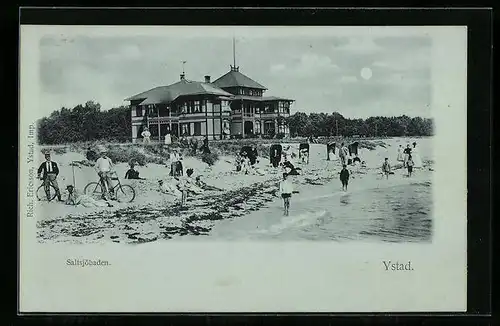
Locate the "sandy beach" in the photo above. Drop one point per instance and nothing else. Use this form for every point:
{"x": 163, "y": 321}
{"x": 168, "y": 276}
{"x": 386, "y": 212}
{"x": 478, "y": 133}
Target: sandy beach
{"x": 154, "y": 216}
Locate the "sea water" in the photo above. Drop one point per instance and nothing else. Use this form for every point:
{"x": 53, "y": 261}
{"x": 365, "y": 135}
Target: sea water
{"x": 389, "y": 210}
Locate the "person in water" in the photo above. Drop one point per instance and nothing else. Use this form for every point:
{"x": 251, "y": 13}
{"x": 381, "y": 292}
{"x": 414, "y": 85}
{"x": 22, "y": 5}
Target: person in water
{"x": 344, "y": 177}
{"x": 286, "y": 190}
{"x": 409, "y": 165}
{"x": 386, "y": 168}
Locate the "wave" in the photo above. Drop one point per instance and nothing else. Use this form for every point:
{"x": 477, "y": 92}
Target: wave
{"x": 295, "y": 221}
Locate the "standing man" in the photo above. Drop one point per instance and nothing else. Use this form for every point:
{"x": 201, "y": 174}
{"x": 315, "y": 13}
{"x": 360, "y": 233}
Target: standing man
{"x": 386, "y": 168}
{"x": 286, "y": 190}
{"x": 146, "y": 135}
{"x": 104, "y": 167}
{"x": 48, "y": 172}
{"x": 174, "y": 162}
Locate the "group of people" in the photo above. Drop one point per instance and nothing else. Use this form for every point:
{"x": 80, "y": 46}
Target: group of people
{"x": 246, "y": 159}
{"x": 48, "y": 172}
{"x": 408, "y": 156}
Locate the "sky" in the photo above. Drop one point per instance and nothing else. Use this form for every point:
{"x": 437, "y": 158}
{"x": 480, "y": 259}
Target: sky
{"x": 358, "y": 75}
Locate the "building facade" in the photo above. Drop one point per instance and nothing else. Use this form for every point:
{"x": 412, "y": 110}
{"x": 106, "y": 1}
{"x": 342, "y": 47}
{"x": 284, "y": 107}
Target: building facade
{"x": 231, "y": 106}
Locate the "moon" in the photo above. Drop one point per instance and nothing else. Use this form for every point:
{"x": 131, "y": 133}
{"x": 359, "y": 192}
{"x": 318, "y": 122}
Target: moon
{"x": 366, "y": 73}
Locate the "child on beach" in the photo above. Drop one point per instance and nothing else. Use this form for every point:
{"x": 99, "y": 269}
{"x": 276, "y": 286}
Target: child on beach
{"x": 182, "y": 185}
{"x": 386, "y": 168}
{"x": 409, "y": 165}
{"x": 238, "y": 162}
{"x": 406, "y": 154}
{"x": 245, "y": 164}
{"x": 132, "y": 173}
{"x": 286, "y": 190}
{"x": 344, "y": 177}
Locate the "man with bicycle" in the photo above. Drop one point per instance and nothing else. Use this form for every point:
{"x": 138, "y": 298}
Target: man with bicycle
{"x": 104, "y": 167}
{"x": 48, "y": 172}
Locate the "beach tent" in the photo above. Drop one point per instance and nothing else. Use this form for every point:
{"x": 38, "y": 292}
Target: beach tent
{"x": 353, "y": 148}
{"x": 304, "y": 150}
{"x": 275, "y": 154}
{"x": 250, "y": 152}
{"x": 330, "y": 148}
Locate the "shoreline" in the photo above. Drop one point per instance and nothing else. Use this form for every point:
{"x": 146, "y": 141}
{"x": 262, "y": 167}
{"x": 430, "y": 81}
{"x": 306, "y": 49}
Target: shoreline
{"x": 152, "y": 222}
{"x": 155, "y": 216}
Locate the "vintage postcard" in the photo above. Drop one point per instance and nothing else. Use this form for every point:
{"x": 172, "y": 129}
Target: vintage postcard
{"x": 242, "y": 169}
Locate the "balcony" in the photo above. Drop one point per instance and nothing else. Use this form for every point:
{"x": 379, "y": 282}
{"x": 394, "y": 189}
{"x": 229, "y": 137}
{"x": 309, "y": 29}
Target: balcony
{"x": 163, "y": 119}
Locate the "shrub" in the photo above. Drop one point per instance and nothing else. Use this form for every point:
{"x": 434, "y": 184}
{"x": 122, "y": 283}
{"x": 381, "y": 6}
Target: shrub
{"x": 209, "y": 158}
{"x": 119, "y": 154}
{"x": 280, "y": 136}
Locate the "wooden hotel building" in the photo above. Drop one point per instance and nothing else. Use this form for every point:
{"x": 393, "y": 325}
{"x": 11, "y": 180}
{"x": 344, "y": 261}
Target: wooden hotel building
{"x": 231, "y": 106}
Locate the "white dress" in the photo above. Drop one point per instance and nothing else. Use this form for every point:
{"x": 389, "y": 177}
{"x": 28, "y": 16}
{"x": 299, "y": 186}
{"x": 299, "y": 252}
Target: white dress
{"x": 400, "y": 154}
{"x": 168, "y": 139}
{"x": 417, "y": 160}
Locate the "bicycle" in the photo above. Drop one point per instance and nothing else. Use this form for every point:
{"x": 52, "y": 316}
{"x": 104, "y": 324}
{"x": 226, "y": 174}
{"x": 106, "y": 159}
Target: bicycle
{"x": 42, "y": 196}
{"x": 123, "y": 193}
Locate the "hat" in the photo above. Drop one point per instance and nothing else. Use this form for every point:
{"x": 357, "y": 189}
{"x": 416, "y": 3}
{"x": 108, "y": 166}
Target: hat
{"x": 69, "y": 186}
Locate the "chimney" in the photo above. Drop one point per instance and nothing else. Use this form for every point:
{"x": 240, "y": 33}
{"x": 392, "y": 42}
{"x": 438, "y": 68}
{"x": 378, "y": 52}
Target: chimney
{"x": 207, "y": 79}
{"x": 182, "y": 76}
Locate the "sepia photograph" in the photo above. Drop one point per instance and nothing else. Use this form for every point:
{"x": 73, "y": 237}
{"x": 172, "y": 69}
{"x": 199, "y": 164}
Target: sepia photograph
{"x": 321, "y": 168}
{"x": 144, "y": 139}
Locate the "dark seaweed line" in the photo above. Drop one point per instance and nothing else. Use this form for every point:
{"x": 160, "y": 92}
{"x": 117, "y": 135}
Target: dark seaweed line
{"x": 88, "y": 224}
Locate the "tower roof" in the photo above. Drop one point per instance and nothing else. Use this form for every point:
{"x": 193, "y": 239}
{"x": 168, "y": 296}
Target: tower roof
{"x": 234, "y": 78}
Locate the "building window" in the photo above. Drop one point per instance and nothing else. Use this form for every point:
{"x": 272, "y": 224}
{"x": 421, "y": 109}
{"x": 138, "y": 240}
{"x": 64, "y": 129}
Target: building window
{"x": 217, "y": 107}
{"x": 138, "y": 111}
{"x": 257, "y": 126}
{"x": 185, "y": 129}
{"x": 197, "y": 128}
{"x": 197, "y": 107}
{"x": 153, "y": 111}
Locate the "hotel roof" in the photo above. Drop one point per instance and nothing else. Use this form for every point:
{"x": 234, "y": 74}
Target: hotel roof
{"x": 167, "y": 94}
